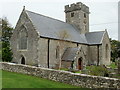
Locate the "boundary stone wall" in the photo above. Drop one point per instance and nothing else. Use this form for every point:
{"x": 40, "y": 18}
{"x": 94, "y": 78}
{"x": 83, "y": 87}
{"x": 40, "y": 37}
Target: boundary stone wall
{"x": 82, "y": 80}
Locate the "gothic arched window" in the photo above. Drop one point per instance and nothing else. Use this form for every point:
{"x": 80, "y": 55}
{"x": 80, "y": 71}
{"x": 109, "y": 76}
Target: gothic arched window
{"x": 106, "y": 51}
{"x": 22, "y": 39}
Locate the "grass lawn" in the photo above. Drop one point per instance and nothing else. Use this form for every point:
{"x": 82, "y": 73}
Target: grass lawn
{"x": 16, "y": 80}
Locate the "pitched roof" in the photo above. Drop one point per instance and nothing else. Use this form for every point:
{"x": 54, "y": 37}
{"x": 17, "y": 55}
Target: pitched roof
{"x": 69, "y": 54}
{"x": 95, "y": 37}
{"x": 56, "y": 29}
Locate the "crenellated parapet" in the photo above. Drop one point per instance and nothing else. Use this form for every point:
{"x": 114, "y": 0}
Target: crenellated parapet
{"x": 77, "y": 6}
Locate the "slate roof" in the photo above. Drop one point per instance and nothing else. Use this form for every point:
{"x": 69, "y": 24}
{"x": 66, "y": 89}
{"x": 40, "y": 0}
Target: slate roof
{"x": 94, "y": 37}
{"x": 53, "y": 28}
{"x": 69, "y": 54}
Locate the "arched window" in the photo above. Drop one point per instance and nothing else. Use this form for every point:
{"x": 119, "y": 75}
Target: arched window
{"x": 106, "y": 51}
{"x": 22, "y": 39}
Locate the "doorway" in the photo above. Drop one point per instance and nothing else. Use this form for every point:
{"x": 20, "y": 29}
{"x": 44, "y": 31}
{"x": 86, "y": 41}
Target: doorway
{"x": 80, "y": 63}
{"x": 22, "y": 60}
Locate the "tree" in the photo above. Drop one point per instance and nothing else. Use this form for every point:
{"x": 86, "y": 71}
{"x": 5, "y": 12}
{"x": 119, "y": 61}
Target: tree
{"x": 0, "y": 39}
{"x": 5, "y": 38}
{"x": 115, "y": 50}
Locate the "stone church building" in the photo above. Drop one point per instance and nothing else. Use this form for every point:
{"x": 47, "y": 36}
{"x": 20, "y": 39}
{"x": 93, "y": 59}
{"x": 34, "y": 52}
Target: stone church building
{"x": 43, "y": 41}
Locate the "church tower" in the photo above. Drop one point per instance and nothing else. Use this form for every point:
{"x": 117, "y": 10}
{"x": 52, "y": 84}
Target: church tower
{"x": 78, "y": 15}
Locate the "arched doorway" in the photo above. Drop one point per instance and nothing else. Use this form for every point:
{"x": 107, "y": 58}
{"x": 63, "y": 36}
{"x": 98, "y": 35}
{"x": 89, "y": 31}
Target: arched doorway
{"x": 80, "y": 63}
{"x": 22, "y": 60}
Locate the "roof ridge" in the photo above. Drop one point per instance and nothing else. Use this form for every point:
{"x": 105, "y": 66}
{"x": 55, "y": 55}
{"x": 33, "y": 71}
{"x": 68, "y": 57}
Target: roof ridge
{"x": 102, "y": 37}
{"x": 46, "y": 16}
{"x": 94, "y": 32}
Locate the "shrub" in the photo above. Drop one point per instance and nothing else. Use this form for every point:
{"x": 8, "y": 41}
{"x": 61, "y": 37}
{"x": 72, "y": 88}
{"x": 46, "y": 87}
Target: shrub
{"x": 97, "y": 70}
{"x": 113, "y": 65}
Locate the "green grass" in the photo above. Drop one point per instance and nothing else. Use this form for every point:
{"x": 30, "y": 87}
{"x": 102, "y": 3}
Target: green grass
{"x": 78, "y": 72}
{"x": 64, "y": 69}
{"x": 113, "y": 65}
{"x": 16, "y": 80}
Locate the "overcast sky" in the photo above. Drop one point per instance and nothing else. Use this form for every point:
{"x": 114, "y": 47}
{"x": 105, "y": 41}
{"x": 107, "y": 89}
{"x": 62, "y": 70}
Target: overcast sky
{"x": 103, "y": 13}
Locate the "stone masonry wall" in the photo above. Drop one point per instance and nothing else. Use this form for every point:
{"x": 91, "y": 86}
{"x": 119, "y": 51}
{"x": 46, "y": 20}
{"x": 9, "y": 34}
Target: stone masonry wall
{"x": 80, "y": 17}
{"x": 105, "y": 60}
{"x": 31, "y": 58}
{"x": 54, "y": 62}
{"x": 81, "y": 80}
{"x": 66, "y": 64}
{"x": 43, "y": 52}
{"x": 93, "y": 55}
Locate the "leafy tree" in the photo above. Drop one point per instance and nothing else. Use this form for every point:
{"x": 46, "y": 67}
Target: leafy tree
{"x": 115, "y": 50}
{"x": 0, "y": 39}
{"x": 5, "y": 38}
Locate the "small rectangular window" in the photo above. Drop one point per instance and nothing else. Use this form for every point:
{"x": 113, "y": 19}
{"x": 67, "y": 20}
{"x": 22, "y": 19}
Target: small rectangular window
{"x": 85, "y": 15}
{"x": 72, "y": 14}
